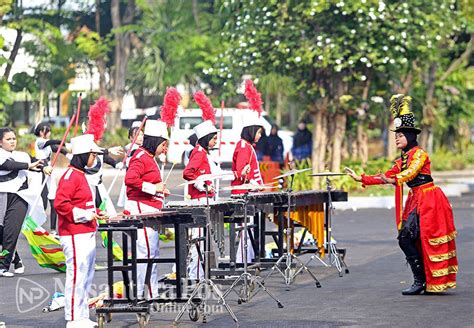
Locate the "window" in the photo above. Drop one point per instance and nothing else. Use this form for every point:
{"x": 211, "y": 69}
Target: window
{"x": 191, "y": 122}
{"x": 226, "y": 124}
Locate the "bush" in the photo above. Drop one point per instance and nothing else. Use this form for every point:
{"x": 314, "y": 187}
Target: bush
{"x": 117, "y": 138}
{"x": 443, "y": 160}
{"x": 26, "y": 143}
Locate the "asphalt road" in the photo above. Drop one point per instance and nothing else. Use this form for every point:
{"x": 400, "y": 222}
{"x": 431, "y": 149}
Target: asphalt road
{"x": 367, "y": 297}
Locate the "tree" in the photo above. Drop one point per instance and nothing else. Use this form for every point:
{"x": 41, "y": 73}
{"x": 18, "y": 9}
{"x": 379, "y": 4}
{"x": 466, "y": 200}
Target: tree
{"x": 5, "y": 93}
{"x": 122, "y": 39}
{"x": 333, "y": 49}
{"x": 176, "y": 41}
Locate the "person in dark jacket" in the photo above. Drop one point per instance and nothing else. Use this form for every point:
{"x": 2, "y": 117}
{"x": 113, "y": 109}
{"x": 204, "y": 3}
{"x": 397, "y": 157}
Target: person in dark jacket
{"x": 302, "y": 142}
{"x": 261, "y": 147}
{"x": 275, "y": 145}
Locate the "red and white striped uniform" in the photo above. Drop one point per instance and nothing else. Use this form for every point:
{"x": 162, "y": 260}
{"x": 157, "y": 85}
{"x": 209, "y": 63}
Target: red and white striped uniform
{"x": 74, "y": 204}
{"x": 141, "y": 178}
{"x": 245, "y": 154}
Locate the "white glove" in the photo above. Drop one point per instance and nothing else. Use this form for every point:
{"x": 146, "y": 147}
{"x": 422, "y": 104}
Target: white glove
{"x": 200, "y": 185}
{"x": 253, "y": 182}
{"x": 119, "y": 165}
{"x": 117, "y": 150}
{"x": 69, "y": 156}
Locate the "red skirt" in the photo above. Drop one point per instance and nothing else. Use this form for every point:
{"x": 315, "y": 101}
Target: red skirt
{"x": 437, "y": 234}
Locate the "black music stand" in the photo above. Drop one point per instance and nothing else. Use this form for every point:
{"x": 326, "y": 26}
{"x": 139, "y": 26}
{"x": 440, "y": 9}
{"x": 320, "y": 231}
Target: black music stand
{"x": 207, "y": 283}
{"x": 249, "y": 280}
{"x": 288, "y": 274}
{"x": 334, "y": 255}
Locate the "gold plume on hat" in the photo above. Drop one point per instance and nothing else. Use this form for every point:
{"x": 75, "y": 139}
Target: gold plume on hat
{"x": 400, "y": 105}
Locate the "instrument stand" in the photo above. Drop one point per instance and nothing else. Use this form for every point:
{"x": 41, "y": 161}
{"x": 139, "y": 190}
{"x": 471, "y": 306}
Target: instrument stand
{"x": 249, "y": 281}
{"x": 334, "y": 255}
{"x": 289, "y": 274}
{"x": 207, "y": 284}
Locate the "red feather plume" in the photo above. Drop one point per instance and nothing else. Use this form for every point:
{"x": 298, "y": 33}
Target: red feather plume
{"x": 169, "y": 109}
{"x": 254, "y": 98}
{"x": 97, "y": 121}
{"x": 208, "y": 112}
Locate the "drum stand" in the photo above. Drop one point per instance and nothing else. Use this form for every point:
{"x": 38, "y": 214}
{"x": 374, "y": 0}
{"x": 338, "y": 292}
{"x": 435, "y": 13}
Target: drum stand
{"x": 334, "y": 256}
{"x": 248, "y": 280}
{"x": 206, "y": 283}
{"x": 289, "y": 274}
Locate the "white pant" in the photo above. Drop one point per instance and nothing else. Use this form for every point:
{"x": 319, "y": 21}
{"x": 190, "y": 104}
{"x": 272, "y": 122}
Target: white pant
{"x": 147, "y": 248}
{"x": 79, "y": 251}
{"x": 239, "y": 258}
{"x": 195, "y": 266}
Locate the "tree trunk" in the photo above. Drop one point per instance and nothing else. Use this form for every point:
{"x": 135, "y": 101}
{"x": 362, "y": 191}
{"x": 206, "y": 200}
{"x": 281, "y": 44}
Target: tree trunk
{"x": 13, "y": 54}
{"x": 26, "y": 109}
{"x": 279, "y": 107}
{"x": 362, "y": 144}
{"x": 428, "y": 110}
{"x": 100, "y": 61}
{"x": 391, "y": 146}
{"x": 319, "y": 140}
{"x": 122, "y": 52}
{"x": 196, "y": 14}
{"x": 267, "y": 102}
{"x": 338, "y": 137}
{"x": 362, "y": 136}
{"x": 345, "y": 148}
{"x": 40, "y": 113}
{"x": 353, "y": 146}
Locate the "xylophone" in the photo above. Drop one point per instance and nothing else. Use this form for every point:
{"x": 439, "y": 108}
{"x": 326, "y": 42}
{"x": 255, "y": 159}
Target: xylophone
{"x": 222, "y": 211}
{"x": 309, "y": 208}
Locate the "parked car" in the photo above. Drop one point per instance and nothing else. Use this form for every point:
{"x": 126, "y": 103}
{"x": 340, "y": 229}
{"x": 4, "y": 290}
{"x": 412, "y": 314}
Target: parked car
{"x": 232, "y": 122}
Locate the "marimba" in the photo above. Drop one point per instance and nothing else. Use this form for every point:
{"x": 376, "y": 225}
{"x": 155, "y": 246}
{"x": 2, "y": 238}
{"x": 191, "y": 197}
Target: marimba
{"x": 309, "y": 208}
{"x": 222, "y": 211}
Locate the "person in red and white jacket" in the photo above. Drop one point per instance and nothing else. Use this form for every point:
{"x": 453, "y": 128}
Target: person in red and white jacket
{"x": 244, "y": 161}
{"x": 77, "y": 227}
{"x": 246, "y": 169}
{"x": 200, "y": 164}
{"x": 145, "y": 193}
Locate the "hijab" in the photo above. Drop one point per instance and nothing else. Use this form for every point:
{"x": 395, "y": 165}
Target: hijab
{"x": 151, "y": 143}
{"x": 411, "y": 139}
{"x": 204, "y": 141}
{"x": 79, "y": 161}
{"x": 249, "y": 133}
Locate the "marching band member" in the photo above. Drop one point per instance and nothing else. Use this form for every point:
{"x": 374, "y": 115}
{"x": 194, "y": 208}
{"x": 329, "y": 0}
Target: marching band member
{"x": 145, "y": 193}
{"x": 132, "y": 132}
{"x": 44, "y": 148}
{"x": 244, "y": 161}
{"x": 14, "y": 166}
{"x": 77, "y": 215}
{"x": 425, "y": 226}
{"x": 199, "y": 164}
{"x": 96, "y": 126}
